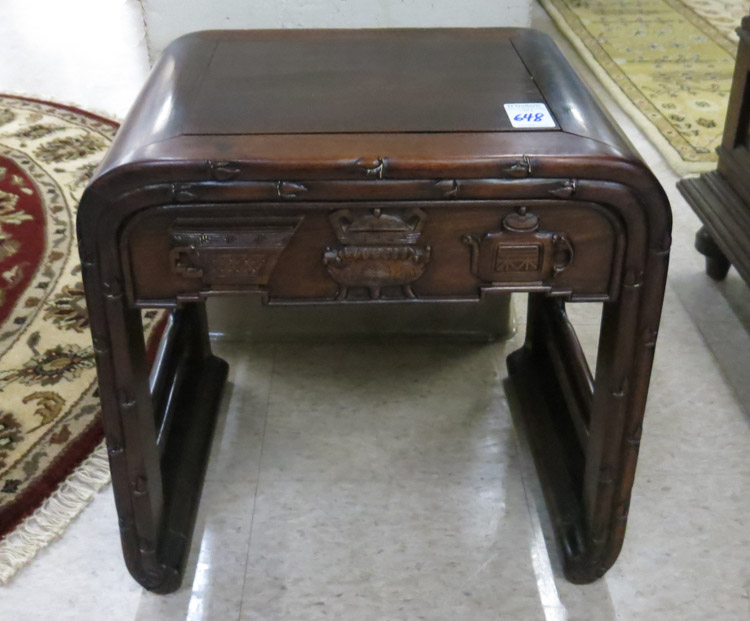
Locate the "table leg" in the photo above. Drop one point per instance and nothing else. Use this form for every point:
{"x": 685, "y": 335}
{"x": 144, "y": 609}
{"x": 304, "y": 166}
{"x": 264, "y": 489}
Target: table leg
{"x": 158, "y": 435}
{"x": 717, "y": 264}
{"x": 585, "y": 431}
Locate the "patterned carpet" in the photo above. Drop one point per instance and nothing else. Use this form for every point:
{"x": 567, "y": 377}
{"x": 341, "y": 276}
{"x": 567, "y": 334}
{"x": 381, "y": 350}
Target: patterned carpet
{"x": 668, "y": 63}
{"x": 49, "y": 410}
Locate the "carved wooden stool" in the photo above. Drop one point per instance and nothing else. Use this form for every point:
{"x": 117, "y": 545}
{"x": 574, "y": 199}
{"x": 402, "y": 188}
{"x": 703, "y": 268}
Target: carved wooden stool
{"x": 372, "y": 167}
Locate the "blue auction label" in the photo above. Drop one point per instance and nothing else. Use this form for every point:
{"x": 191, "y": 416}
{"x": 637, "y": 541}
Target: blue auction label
{"x": 529, "y": 115}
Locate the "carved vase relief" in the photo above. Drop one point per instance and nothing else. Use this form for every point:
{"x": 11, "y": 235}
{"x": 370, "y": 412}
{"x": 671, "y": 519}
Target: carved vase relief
{"x": 378, "y": 250}
{"x": 520, "y": 252}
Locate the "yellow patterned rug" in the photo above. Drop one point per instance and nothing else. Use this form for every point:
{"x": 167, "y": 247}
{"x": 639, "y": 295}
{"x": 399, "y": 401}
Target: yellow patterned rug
{"x": 668, "y": 63}
{"x": 49, "y": 407}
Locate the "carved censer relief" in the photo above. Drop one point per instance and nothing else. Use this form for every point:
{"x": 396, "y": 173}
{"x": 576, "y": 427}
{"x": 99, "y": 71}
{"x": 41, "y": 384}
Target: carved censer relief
{"x": 379, "y": 249}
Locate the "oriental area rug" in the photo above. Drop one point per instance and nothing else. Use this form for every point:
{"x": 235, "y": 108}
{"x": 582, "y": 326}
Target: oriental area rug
{"x": 52, "y": 459}
{"x": 668, "y": 63}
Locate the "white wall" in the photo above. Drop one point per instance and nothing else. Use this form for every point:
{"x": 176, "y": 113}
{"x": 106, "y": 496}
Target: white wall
{"x": 168, "y": 19}
{"x": 93, "y": 52}
{"x": 87, "y": 52}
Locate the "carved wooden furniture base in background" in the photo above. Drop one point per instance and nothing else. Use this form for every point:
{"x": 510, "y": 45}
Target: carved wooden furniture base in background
{"x": 721, "y": 198}
{"x": 372, "y": 167}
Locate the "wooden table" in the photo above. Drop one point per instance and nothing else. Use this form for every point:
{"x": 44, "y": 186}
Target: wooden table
{"x": 372, "y": 167}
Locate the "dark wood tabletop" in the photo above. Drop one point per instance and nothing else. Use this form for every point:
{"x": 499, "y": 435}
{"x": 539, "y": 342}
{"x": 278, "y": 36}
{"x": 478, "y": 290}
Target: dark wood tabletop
{"x": 416, "y": 94}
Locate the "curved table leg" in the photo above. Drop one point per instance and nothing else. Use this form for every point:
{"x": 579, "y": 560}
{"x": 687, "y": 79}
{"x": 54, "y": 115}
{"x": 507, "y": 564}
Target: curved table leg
{"x": 158, "y": 433}
{"x": 585, "y": 431}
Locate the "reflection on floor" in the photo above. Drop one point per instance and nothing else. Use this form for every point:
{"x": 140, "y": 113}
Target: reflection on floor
{"x": 327, "y": 500}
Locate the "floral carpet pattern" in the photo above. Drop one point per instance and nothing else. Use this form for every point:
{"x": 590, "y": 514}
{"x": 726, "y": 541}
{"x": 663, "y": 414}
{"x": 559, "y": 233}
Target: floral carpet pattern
{"x": 669, "y": 63}
{"x": 49, "y": 410}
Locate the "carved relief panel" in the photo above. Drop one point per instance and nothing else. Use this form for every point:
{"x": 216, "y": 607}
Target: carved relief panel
{"x": 240, "y": 252}
{"x": 379, "y": 249}
{"x": 519, "y": 252}
{"x": 371, "y": 251}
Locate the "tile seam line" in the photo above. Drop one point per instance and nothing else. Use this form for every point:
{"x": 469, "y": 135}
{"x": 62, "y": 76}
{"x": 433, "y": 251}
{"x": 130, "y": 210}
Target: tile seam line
{"x": 272, "y": 373}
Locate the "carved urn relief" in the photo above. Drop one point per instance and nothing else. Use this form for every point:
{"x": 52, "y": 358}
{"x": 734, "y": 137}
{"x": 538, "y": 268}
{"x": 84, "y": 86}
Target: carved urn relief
{"x": 379, "y": 249}
{"x": 520, "y": 252}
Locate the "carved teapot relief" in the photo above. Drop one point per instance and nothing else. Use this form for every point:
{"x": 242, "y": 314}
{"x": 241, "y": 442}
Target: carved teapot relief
{"x": 379, "y": 249}
{"x": 520, "y": 252}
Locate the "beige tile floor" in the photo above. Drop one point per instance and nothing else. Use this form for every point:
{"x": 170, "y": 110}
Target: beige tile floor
{"x": 326, "y": 499}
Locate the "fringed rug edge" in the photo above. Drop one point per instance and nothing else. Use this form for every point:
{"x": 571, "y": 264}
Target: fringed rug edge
{"x": 54, "y": 516}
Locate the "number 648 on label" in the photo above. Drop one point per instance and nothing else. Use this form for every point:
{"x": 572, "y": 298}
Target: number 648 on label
{"x": 529, "y": 115}
{"x": 534, "y": 118}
